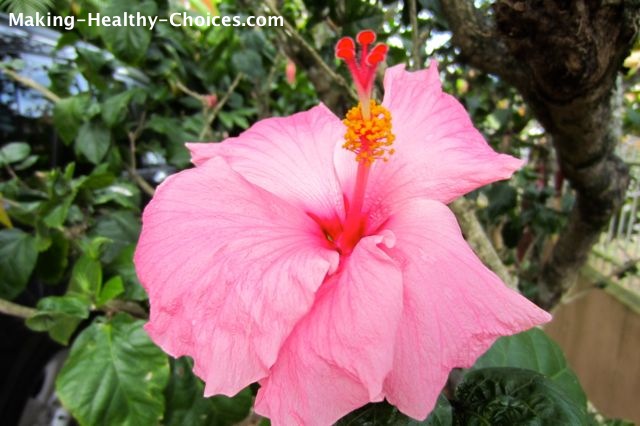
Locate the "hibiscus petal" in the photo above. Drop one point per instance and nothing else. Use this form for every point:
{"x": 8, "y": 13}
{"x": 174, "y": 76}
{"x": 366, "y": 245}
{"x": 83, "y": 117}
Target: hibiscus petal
{"x": 291, "y": 157}
{"x": 439, "y": 155}
{"x": 337, "y": 357}
{"x": 229, "y": 269}
{"x": 454, "y": 307}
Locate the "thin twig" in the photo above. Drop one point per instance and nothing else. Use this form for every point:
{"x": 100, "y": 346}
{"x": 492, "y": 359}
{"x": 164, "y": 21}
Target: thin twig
{"x": 25, "y": 81}
{"x": 415, "y": 35}
{"x": 132, "y": 167}
{"x": 190, "y": 92}
{"x": 312, "y": 52}
{"x": 215, "y": 110}
{"x": 11, "y": 172}
{"x": 133, "y": 137}
{"x": 15, "y": 310}
{"x": 118, "y": 305}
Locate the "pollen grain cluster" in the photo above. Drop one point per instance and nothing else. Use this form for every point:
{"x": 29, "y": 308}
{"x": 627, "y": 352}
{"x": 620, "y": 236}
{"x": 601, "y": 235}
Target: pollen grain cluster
{"x": 370, "y": 139}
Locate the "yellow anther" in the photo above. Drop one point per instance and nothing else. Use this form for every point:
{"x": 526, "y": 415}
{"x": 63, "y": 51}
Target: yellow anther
{"x": 369, "y": 139}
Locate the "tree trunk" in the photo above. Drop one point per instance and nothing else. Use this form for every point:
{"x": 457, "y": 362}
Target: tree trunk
{"x": 564, "y": 57}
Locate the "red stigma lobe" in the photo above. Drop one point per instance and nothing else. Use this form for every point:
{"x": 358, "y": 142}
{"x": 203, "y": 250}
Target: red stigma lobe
{"x": 362, "y": 68}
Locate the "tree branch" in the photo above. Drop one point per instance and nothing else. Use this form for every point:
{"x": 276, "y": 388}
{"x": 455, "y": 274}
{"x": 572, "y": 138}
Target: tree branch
{"x": 415, "y": 36}
{"x": 476, "y": 237}
{"x": 25, "y": 81}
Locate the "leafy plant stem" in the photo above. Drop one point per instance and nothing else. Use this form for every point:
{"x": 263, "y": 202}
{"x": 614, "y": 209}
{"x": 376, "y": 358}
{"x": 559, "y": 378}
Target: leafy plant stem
{"x": 113, "y": 306}
{"x": 15, "y": 310}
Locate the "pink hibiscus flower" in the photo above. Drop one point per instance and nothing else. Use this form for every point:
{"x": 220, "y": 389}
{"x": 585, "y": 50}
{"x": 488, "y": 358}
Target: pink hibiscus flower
{"x": 279, "y": 259}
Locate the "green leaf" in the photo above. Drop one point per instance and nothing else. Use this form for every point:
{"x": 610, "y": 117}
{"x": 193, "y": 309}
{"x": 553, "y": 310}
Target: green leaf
{"x": 534, "y": 350}
{"x": 112, "y": 289}
{"x": 114, "y": 375}
{"x": 128, "y": 43}
{"x": 59, "y": 315}
{"x": 86, "y": 278}
{"x": 176, "y": 132}
{"x": 95, "y": 246}
{"x": 18, "y": 256}
{"x": 114, "y": 109}
{"x": 185, "y": 404}
{"x": 93, "y": 141}
{"x": 14, "y": 152}
{"x": 513, "y": 396}
{"x": 28, "y": 162}
{"x": 124, "y": 194}
{"x": 27, "y": 7}
{"x": 100, "y": 177}
{"x": 69, "y": 114}
{"x": 121, "y": 227}
{"x": 123, "y": 266}
{"x": 440, "y": 416}
{"x": 56, "y": 217}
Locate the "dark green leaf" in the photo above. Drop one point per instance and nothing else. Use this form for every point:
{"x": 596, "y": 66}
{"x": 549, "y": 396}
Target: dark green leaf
{"x": 186, "y": 404}
{"x": 534, "y": 350}
{"x": 100, "y": 177}
{"x": 69, "y": 114}
{"x": 511, "y": 396}
{"x": 53, "y": 262}
{"x": 28, "y": 162}
{"x": 56, "y": 217}
{"x": 128, "y": 43}
{"x": 18, "y": 256}
{"x": 502, "y": 198}
{"x": 123, "y": 266}
{"x": 60, "y": 316}
{"x": 14, "y": 152}
{"x": 121, "y": 227}
{"x": 249, "y": 63}
{"x": 114, "y": 375}
{"x": 93, "y": 141}
{"x": 440, "y": 416}
{"x": 382, "y": 413}
{"x": 114, "y": 109}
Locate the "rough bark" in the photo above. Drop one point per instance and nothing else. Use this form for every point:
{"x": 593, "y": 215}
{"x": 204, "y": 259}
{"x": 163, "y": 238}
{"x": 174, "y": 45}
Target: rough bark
{"x": 564, "y": 57}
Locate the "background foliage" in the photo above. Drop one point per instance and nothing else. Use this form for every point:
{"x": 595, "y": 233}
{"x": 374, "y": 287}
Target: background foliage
{"x": 106, "y": 120}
